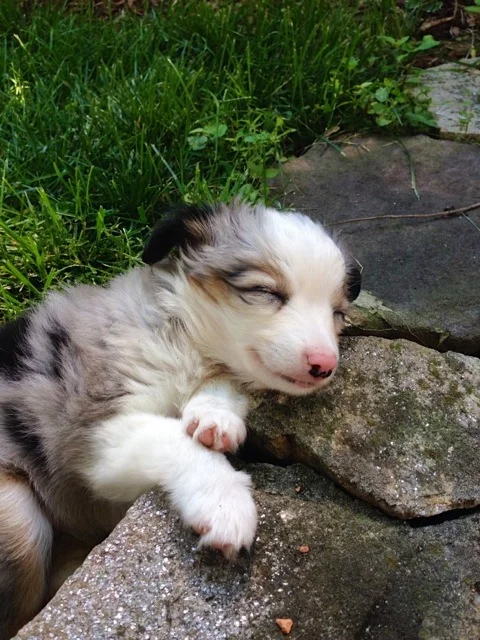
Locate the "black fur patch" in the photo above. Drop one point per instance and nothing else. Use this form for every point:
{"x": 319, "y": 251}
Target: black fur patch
{"x": 59, "y": 340}
{"x": 13, "y": 346}
{"x": 354, "y": 284}
{"x": 173, "y": 232}
{"x": 23, "y": 434}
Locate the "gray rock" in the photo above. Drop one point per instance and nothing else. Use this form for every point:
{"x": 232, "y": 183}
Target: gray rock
{"x": 366, "y": 576}
{"x": 399, "y": 427}
{"x": 422, "y": 274}
{"x": 454, "y": 92}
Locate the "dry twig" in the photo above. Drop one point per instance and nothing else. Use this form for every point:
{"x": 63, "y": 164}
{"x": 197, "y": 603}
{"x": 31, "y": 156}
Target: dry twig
{"x": 429, "y": 24}
{"x": 393, "y": 216}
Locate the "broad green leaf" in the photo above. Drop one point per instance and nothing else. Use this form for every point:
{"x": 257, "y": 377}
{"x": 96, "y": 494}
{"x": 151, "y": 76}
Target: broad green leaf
{"x": 216, "y": 130}
{"x": 197, "y": 143}
{"x": 382, "y": 94}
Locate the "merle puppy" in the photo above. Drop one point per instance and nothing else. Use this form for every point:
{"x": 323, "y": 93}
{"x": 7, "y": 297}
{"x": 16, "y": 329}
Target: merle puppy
{"x": 106, "y": 392}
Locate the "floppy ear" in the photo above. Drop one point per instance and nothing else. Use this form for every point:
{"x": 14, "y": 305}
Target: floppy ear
{"x": 354, "y": 283}
{"x": 183, "y": 226}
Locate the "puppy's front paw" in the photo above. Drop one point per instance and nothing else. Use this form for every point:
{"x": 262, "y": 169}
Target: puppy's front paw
{"x": 225, "y": 516}
{"x": 214, "y": 426}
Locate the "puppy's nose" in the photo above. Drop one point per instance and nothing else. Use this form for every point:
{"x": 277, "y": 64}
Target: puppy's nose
{"x": 316, "y": 372}
{"x": 321, "y": 364}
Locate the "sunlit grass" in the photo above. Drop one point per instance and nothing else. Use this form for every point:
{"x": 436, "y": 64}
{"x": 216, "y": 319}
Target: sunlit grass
{"x": 102, "y": 121}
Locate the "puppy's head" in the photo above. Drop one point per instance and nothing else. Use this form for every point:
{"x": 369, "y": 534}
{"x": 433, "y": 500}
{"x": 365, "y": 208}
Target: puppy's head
{"x": 271, "y": 288}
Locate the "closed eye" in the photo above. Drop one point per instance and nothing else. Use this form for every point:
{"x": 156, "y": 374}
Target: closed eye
{"x": 248, "y": 294}
{"x": 340, "y": 315}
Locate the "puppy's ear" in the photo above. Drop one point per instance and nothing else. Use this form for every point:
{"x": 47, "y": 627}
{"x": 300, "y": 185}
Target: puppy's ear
{"x": 353, "y": 283}
{"x": 182, "y": 227}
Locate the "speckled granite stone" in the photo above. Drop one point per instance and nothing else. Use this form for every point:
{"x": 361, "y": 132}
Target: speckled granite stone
{"x": 366, "y": 575}
{"x": 454, "y": 92}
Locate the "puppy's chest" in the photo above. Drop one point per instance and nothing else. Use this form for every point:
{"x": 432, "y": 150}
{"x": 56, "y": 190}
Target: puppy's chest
{"x": 160, "y": 399}
{"x": 164, "y": 390}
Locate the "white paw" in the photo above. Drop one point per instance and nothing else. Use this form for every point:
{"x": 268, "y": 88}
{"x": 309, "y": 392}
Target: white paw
{"x": 214, "y": 425}
{"x": 224, "y": 515}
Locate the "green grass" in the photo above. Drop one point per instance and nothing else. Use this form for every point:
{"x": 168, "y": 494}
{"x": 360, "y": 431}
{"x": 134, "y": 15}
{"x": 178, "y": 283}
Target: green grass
{"x": 102, "y": 121}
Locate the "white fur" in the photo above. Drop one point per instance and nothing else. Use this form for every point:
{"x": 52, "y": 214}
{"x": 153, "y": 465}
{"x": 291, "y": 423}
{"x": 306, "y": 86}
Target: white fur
{"x": 138, "y": 451}
{"x": 21, "y": 515}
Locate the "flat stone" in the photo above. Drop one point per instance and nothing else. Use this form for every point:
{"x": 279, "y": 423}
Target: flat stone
{"x": 366, "y": 575}
{"x": 398, "y": 427}
{"x": 454, "y": 92}
{"x": 420, "y": 276}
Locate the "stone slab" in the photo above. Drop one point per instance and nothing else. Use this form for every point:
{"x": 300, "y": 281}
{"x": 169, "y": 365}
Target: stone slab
{"x": 399, "y": 427}
{"x": 423, "y": 274}
{"x": 454, "y": 93}
{"x": 366, "y": 576}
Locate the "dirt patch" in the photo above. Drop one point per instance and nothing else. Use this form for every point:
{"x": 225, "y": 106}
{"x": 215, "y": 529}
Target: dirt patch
{"x": 456, "y": 29}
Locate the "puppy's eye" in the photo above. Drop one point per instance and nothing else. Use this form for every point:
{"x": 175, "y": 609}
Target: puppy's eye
{"x": 339, "y": 315}
{"x": 266, "y": 291}
{"x": 249, "y": 294}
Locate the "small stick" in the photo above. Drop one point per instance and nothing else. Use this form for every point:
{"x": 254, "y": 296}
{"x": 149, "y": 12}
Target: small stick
{"x": 429, "y": 24}
{"x": 392, "y": 216}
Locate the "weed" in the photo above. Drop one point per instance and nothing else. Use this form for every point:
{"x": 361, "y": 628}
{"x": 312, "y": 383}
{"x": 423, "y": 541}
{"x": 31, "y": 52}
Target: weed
{"x": 390, "y": 100}
{"x": 474, "y": 8}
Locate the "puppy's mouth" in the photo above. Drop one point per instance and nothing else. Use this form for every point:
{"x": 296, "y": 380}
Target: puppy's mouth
{"x": 300, "y": 384}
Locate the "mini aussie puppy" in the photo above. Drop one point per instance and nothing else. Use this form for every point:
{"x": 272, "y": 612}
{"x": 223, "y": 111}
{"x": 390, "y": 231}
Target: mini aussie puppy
{"x": 108, "y": 392}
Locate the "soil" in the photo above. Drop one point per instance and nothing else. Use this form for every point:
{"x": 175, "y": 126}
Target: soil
{"x": 456, "y": 29}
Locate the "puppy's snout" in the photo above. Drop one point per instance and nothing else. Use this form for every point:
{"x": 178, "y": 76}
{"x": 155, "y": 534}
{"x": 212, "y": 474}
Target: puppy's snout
{"x": 321, "y": 364}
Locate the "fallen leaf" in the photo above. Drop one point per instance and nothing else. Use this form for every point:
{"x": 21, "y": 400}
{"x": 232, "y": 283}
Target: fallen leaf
{"x": 285, "y": 624}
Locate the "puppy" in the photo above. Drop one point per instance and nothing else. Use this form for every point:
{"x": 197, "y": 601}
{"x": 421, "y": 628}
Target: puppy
{"x": 108, "y": 392}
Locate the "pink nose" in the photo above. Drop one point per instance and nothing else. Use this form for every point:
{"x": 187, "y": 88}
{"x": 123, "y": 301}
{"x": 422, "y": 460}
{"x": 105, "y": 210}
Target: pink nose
{"x": 321, "y": 364}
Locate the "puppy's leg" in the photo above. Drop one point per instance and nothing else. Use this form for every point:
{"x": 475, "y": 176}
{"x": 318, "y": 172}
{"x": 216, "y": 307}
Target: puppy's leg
{"x": 133, "y": 453}
{"x": 215, "y": 416}
{"x": 25, "y": 542}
